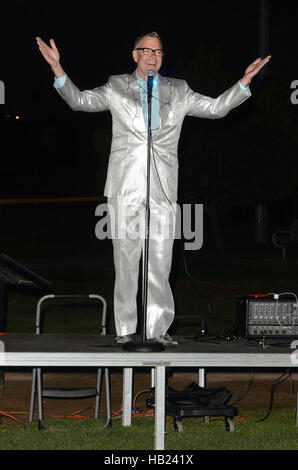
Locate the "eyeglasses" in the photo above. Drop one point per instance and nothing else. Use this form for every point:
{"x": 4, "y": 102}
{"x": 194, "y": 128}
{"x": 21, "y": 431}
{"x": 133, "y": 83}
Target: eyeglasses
{"x": 148, "y": 51}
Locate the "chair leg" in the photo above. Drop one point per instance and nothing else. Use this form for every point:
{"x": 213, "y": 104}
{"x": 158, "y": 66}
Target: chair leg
{"x": 108, "y": 398}
{"x": 41, "y": 426}
{"x": 33, "y": 391}
{"x": 98, "y": 393}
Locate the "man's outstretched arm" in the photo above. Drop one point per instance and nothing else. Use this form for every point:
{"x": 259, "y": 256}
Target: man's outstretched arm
{"x": 88, "y": 100}
{"x": 215, "y": 108}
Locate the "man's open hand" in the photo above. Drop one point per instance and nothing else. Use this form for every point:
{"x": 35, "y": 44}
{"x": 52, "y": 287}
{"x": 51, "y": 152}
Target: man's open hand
{"x": 51, "y": 55}
{"x": 253, "y": 69}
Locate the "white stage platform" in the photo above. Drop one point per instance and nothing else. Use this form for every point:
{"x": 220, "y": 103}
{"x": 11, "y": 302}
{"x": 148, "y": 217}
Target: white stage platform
{"x": 30, "y": 350}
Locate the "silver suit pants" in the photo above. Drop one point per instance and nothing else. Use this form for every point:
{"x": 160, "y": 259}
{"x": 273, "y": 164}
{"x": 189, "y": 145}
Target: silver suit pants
{"x": 127, "y": 220}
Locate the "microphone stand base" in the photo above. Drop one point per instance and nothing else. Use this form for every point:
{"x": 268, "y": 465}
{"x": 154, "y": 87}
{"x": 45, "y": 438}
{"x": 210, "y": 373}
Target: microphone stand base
{"x": 143, "y": 346}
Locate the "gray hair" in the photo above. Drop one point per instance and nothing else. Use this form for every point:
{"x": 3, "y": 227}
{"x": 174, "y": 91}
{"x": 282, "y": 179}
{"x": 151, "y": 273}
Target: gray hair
{"x": 152, "y": 34}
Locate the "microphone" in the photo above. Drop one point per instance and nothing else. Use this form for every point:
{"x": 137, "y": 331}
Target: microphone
{"x": 150, "y": 76}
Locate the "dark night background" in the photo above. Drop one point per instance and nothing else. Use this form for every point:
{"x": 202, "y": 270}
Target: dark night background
{"x": 243, "y": 168}
{"x": 232, "y": 166}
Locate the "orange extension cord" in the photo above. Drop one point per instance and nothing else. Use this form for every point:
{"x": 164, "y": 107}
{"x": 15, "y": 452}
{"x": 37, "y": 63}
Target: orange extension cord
{"x": 136, "y": 412}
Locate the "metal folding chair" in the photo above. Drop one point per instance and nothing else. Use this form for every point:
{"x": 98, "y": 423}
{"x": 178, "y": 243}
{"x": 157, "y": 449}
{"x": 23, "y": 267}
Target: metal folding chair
{"x": 37, "y": 383}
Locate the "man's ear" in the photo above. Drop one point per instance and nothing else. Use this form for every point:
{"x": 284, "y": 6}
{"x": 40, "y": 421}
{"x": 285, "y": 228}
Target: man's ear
{"x": 135, "y": 55}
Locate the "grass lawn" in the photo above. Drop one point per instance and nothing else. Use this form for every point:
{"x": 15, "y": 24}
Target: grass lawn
{"x": 276, "y": 433}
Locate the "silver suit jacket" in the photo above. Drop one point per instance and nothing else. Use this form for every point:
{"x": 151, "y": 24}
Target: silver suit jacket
{"x": 128, "y": 157}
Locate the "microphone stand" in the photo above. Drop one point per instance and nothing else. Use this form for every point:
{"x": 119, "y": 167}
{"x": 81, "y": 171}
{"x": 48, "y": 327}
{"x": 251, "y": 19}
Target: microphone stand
{"x": 144, "y": 345}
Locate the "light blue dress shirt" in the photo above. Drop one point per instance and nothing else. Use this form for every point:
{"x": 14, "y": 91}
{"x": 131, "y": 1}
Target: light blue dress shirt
{"x": 154, "y": 102}
{"x": 244, "y": 88}
{"x": 60, "y": 81}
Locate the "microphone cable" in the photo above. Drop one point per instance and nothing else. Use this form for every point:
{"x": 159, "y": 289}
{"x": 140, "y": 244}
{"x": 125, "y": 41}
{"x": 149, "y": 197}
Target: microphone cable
{"x": 163, "y": 103}
{"x": 174, "y": 210}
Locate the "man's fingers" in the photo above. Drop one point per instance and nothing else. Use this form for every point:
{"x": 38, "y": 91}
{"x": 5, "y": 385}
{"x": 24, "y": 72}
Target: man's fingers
{"x": 261, "y": 61}
{"x": 264, "y": 61}
{"x": 52, "y": 42}
{"x": 258, "y": 64}
{"x": 257, "y": 61}
{"x": 267, "y": 59}
{"x": 43, "y": 46}
{"x": 40, "y": 42}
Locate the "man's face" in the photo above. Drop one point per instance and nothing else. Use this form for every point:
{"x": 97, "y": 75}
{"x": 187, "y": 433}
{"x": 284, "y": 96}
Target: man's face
{"x": 147, "y": 62}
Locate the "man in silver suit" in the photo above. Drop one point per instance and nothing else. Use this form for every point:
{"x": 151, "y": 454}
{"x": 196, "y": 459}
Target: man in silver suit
{"x": 125, "y": 96}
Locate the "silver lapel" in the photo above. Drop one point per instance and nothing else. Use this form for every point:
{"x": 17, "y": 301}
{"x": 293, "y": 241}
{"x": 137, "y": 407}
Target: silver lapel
{"x": 134, "y": 102}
